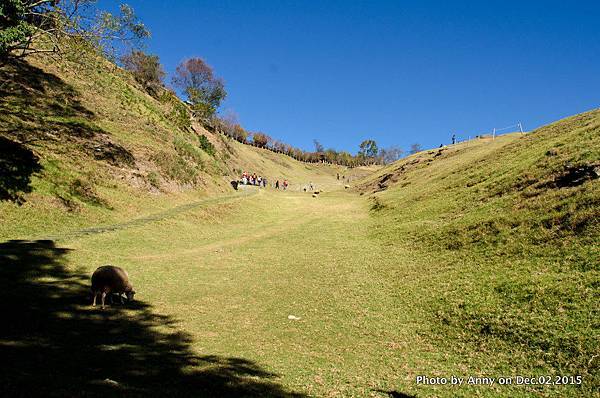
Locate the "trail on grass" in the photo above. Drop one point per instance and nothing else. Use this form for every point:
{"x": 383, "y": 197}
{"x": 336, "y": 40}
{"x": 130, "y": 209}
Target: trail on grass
{"x": 138, "y": 222}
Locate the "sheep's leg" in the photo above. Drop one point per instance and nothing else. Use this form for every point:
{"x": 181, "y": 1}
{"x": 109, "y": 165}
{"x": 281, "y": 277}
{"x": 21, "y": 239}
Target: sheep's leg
{"x": 121, "y": 297}
{"x": 95, "y": 295}
{"x": 103, "y": 298}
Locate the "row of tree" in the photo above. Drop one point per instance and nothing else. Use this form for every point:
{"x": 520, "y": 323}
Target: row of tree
{"x": 369, "y": 152}
{"x": 46, "y": 26}
{"x": 204, "y": 92}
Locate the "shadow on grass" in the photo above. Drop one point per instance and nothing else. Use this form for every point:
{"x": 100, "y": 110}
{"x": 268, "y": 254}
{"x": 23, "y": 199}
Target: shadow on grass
{"x": 52, "y": 343}
{"x": 40, "y": 108}
{"x": 17, "y": 165}
{"x": 33, "y": 95}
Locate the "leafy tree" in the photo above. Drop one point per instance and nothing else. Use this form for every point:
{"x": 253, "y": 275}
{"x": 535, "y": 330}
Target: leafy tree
{"x": 15, "y": 29}
{"x": 203, "y": 89}
{"x": 240, "y": 134}
{"x": 331, "y": 155}
{"x": 368, "y": 149}
{"x": 260, "y": 139}
{"x": 145, "y": 68}
{"x": 345, "y": 158}
{"x": 41, "y": 26}
{"x": 414, "y": 148}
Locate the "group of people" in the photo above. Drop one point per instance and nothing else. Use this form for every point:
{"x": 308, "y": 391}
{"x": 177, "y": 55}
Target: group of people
{"x": 253, "y": 179}
{"x": 283, "y": 185}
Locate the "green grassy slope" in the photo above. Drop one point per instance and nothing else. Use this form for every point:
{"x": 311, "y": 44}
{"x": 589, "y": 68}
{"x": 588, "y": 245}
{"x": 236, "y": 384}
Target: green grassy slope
{"x": 511, "y": 229}
{"x": 93, "y": 147}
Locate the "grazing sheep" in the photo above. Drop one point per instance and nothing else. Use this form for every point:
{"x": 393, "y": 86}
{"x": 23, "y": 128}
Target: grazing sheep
{"x": 109, "y": 279}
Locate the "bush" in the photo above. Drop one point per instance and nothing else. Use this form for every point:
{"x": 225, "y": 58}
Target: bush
{"x": 146, "y": 69}
{"x": 206, "y": 145}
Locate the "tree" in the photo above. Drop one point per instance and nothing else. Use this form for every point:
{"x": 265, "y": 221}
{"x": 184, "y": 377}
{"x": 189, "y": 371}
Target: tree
{"x": 345, "y": 158}
{"x": 318, "y": 146}
{"x": 260, "y": 139}
{"x": 240, "y": 134}
{"x": 390, "y": 155}
{"x": 368, "y": 149}
{"x": 145, "y": 68}
{"x": 414, "y": 148}
{"x": 278, "y": 146}
{"x": 204, "y": 90}
{"x": 331, "y": 155}
{"x": 41, "y": 26}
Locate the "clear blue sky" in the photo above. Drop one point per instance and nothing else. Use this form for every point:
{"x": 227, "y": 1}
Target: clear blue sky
{"x": 399, "y": 72}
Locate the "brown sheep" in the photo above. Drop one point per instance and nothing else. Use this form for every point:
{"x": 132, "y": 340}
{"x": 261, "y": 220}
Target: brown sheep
{"x": 109, "y": 279}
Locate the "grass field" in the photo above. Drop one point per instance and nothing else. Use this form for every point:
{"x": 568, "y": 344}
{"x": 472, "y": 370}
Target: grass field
{"x": 479, "y": 259}
{"x": 216, "y": 285}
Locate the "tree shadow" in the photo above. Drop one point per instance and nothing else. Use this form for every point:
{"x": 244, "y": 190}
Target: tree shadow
{"x": 52, "y": 343}
{"x": 17, "y": 164}
{"x": 38, "y": 107}
{"x": 37, "y": 98}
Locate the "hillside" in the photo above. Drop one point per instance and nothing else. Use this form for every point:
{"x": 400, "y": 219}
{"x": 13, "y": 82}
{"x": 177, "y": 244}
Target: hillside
{"x": 510, "y": 230}
{"x": 84, "y": 144}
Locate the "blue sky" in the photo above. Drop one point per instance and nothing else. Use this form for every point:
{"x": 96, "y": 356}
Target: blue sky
{"x": 399, "y": 72}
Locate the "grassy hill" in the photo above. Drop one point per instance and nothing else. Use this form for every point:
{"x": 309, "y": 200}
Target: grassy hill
{"x": 510, "y": 230}
{"x": 93, "y": 147}
{"x": 479, "y": 259}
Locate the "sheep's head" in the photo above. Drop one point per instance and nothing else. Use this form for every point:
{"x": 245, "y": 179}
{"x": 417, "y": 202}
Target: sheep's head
{"x": 129, "y": 292}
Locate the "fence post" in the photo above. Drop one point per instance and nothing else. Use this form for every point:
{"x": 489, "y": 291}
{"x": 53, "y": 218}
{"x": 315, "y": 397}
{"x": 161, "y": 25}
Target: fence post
{"x": 494, "y": 134}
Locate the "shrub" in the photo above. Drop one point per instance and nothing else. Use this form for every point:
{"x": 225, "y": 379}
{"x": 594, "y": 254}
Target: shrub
{"x": 146, "y": 69}
{"x": 206, "y": 145}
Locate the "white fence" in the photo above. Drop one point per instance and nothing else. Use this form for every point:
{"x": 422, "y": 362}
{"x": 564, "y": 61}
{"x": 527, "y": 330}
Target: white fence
{"x": 494, "y": 132}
